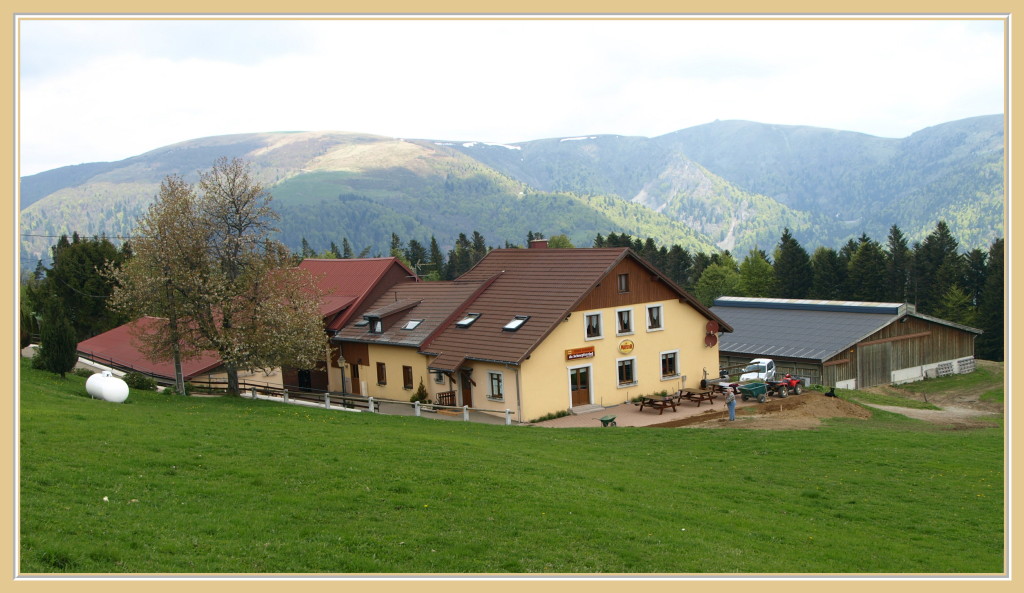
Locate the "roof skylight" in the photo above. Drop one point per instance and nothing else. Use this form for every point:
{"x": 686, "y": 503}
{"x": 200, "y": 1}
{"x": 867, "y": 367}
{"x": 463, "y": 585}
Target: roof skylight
{"x": 412, "y": 324}
{"x": 467, "y": 320}
{"x": 516, "y": 323}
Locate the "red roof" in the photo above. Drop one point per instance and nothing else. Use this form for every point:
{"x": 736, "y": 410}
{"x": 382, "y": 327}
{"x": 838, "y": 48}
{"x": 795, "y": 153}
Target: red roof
{"x": 348, "y": 284}
{"x": 119, "y": 347}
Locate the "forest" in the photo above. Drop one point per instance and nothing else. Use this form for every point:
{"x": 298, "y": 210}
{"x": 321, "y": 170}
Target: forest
{"x": 935, "y": 274}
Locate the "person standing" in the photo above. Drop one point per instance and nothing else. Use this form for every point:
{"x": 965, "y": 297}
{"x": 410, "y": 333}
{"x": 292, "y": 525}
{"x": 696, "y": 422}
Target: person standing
{"x": 730, "y": 401}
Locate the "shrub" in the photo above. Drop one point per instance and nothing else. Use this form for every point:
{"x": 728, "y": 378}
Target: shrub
{"x": 421, "y": 394}
{"x": 83, "y": 372}
{"x": 137, "y": 380}
{"x": 551, "y": 416}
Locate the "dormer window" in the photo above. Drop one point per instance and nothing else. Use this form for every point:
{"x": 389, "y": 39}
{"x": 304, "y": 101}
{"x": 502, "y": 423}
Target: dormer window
{"x": 412, "y": 324}
{"x": 376, "y": 326}
{"x": 516, "y": 323}
{"x": 467, "y": 320}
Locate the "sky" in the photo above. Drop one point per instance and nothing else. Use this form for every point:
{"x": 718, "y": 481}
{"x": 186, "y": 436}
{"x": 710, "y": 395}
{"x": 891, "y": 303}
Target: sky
{"x": 107, "y": 88}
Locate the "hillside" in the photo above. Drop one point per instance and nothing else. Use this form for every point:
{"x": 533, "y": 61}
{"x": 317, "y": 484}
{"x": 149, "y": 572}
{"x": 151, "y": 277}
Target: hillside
{"x": 165, "y": 484}
{"x": 725, "y": 185}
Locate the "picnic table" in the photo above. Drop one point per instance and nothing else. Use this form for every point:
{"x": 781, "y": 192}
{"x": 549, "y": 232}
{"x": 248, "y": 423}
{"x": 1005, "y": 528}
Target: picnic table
{"x": 658, "y": 401}
{"x": 697, "y": 395}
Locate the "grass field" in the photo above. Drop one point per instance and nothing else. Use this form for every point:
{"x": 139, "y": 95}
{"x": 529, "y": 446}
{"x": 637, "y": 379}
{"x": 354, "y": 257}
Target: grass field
{"x": 166, "y": 484}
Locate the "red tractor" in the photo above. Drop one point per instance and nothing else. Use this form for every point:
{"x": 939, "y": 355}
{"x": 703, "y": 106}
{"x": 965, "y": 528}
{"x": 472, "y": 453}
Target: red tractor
{"x": 786, "y": 385}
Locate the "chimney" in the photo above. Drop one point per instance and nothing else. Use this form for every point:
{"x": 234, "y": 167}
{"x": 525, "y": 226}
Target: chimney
{"x": 539, "y": 244}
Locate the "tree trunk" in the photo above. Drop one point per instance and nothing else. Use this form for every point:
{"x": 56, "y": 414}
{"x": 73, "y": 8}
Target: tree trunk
{"x": 179, "y": 377}
{"x": 232, "y": 379}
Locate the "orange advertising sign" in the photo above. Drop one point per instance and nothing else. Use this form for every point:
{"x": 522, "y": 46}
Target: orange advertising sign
{"x": 578, "y": 353}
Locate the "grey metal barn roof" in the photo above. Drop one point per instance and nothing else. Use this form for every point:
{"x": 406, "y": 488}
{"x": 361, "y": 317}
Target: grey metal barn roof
{"x": 813, "y": 330}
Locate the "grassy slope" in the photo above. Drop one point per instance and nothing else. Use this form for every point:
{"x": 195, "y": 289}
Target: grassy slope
{"x": 231, "y": 485}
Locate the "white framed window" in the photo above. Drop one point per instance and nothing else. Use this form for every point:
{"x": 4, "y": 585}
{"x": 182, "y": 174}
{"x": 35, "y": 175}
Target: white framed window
{"x": 626, "y": 372}
{"x": 623, "y": 322}
{"x": 670, "y": 364}
{"x": 593, "y": 326}
{"x": 412, "y": 324}
{"x": 497, "y": 382}
{"x": 439, "y": 377}
{"x": 655, "y": 318}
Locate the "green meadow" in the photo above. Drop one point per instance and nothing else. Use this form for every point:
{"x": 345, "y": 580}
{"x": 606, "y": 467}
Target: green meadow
{"x": 186, "y": 485}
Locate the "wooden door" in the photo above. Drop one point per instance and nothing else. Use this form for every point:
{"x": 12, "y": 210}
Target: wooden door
{"x": 355, "y": 379}
{"x": 579, "y": 386}
{"x": 467, "y": 389}
{"x": 874, "y": 364}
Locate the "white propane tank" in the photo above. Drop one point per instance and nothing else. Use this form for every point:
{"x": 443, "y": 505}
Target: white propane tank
{"x": 107, "y": 387}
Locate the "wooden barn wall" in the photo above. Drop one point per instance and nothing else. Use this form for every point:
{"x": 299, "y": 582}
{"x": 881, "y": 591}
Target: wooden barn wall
{"x": 841, "y": 367}
{"x": 919, "y": 341}
{"x": 644, "y": 287}
{"x": 800, "y": 368}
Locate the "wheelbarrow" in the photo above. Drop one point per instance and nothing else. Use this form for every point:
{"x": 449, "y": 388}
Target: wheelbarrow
{"x": 754, "y": 390}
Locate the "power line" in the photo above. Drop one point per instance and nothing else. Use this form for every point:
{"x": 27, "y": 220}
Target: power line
{"x": 83, "y": 236}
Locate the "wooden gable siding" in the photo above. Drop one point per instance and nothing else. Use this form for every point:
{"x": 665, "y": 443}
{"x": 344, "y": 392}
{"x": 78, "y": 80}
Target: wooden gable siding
{"x": 355, "y": 353}
{"x": 920, "y": 341}
{"x": 644, "y": 287}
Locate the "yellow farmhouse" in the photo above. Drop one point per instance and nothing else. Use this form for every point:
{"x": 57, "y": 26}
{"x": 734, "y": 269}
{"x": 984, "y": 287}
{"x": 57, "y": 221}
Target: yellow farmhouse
{"x": 535, "y": 331}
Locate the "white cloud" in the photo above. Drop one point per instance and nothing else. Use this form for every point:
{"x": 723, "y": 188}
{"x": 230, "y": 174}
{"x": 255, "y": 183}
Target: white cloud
{"x": 101, "y": 90}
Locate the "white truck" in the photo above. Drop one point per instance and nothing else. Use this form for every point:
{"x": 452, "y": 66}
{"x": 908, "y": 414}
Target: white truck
{"x": 759, "y": 369}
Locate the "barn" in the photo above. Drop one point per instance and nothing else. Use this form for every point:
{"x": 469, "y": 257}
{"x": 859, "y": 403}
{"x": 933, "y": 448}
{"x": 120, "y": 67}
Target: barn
{"x": 842, "y": 343}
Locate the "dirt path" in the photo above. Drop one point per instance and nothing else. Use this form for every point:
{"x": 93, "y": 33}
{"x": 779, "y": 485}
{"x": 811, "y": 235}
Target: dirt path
{"x": 959, "y": 409}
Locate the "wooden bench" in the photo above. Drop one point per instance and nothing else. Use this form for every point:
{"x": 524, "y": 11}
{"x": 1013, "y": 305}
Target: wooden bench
{"x": 704, "y": 395}
{"x": 658, "y": 402}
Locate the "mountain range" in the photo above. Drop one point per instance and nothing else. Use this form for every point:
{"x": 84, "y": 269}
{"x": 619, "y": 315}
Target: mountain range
{"x": 724, "y": 185}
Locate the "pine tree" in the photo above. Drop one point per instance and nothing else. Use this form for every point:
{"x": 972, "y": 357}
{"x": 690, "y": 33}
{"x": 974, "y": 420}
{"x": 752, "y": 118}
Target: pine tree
{"x": 76, "y": 282}
{"x": 828, "y": 275}
{"x": 792, "y": 269}
{"x": 991, "y": 306}
{"x": 436, "y": 259}
{"x": 865, "y": 276}
{"x": 58, "y": 348}
{"x": 346, "y": 248}
{"x": 955, "y": 305}
{"x": 898, "y": 259}
{"x": 937, "y": 267}
{"x": 416, "y": 255}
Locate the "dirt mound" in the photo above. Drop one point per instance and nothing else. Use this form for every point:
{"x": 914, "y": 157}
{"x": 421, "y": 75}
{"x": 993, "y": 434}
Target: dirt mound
{"x": 794, "y": 412}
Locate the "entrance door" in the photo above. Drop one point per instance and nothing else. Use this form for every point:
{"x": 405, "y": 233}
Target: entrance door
{"x": 355, "y": 379}
{"x": 305, "y": 380}
{"x": 467, "y": 388}
{"x": 579, "y": 386}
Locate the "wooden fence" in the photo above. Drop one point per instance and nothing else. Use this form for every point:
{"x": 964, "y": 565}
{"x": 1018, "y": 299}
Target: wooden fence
{"x": 335, "y": 400}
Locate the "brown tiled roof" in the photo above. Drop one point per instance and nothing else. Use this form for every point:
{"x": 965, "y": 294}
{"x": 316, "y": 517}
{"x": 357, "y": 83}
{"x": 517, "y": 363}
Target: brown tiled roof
{"x": 119, "y": 348}
{"x": 543, "y": 284}
{"x": 433, "y": 302}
